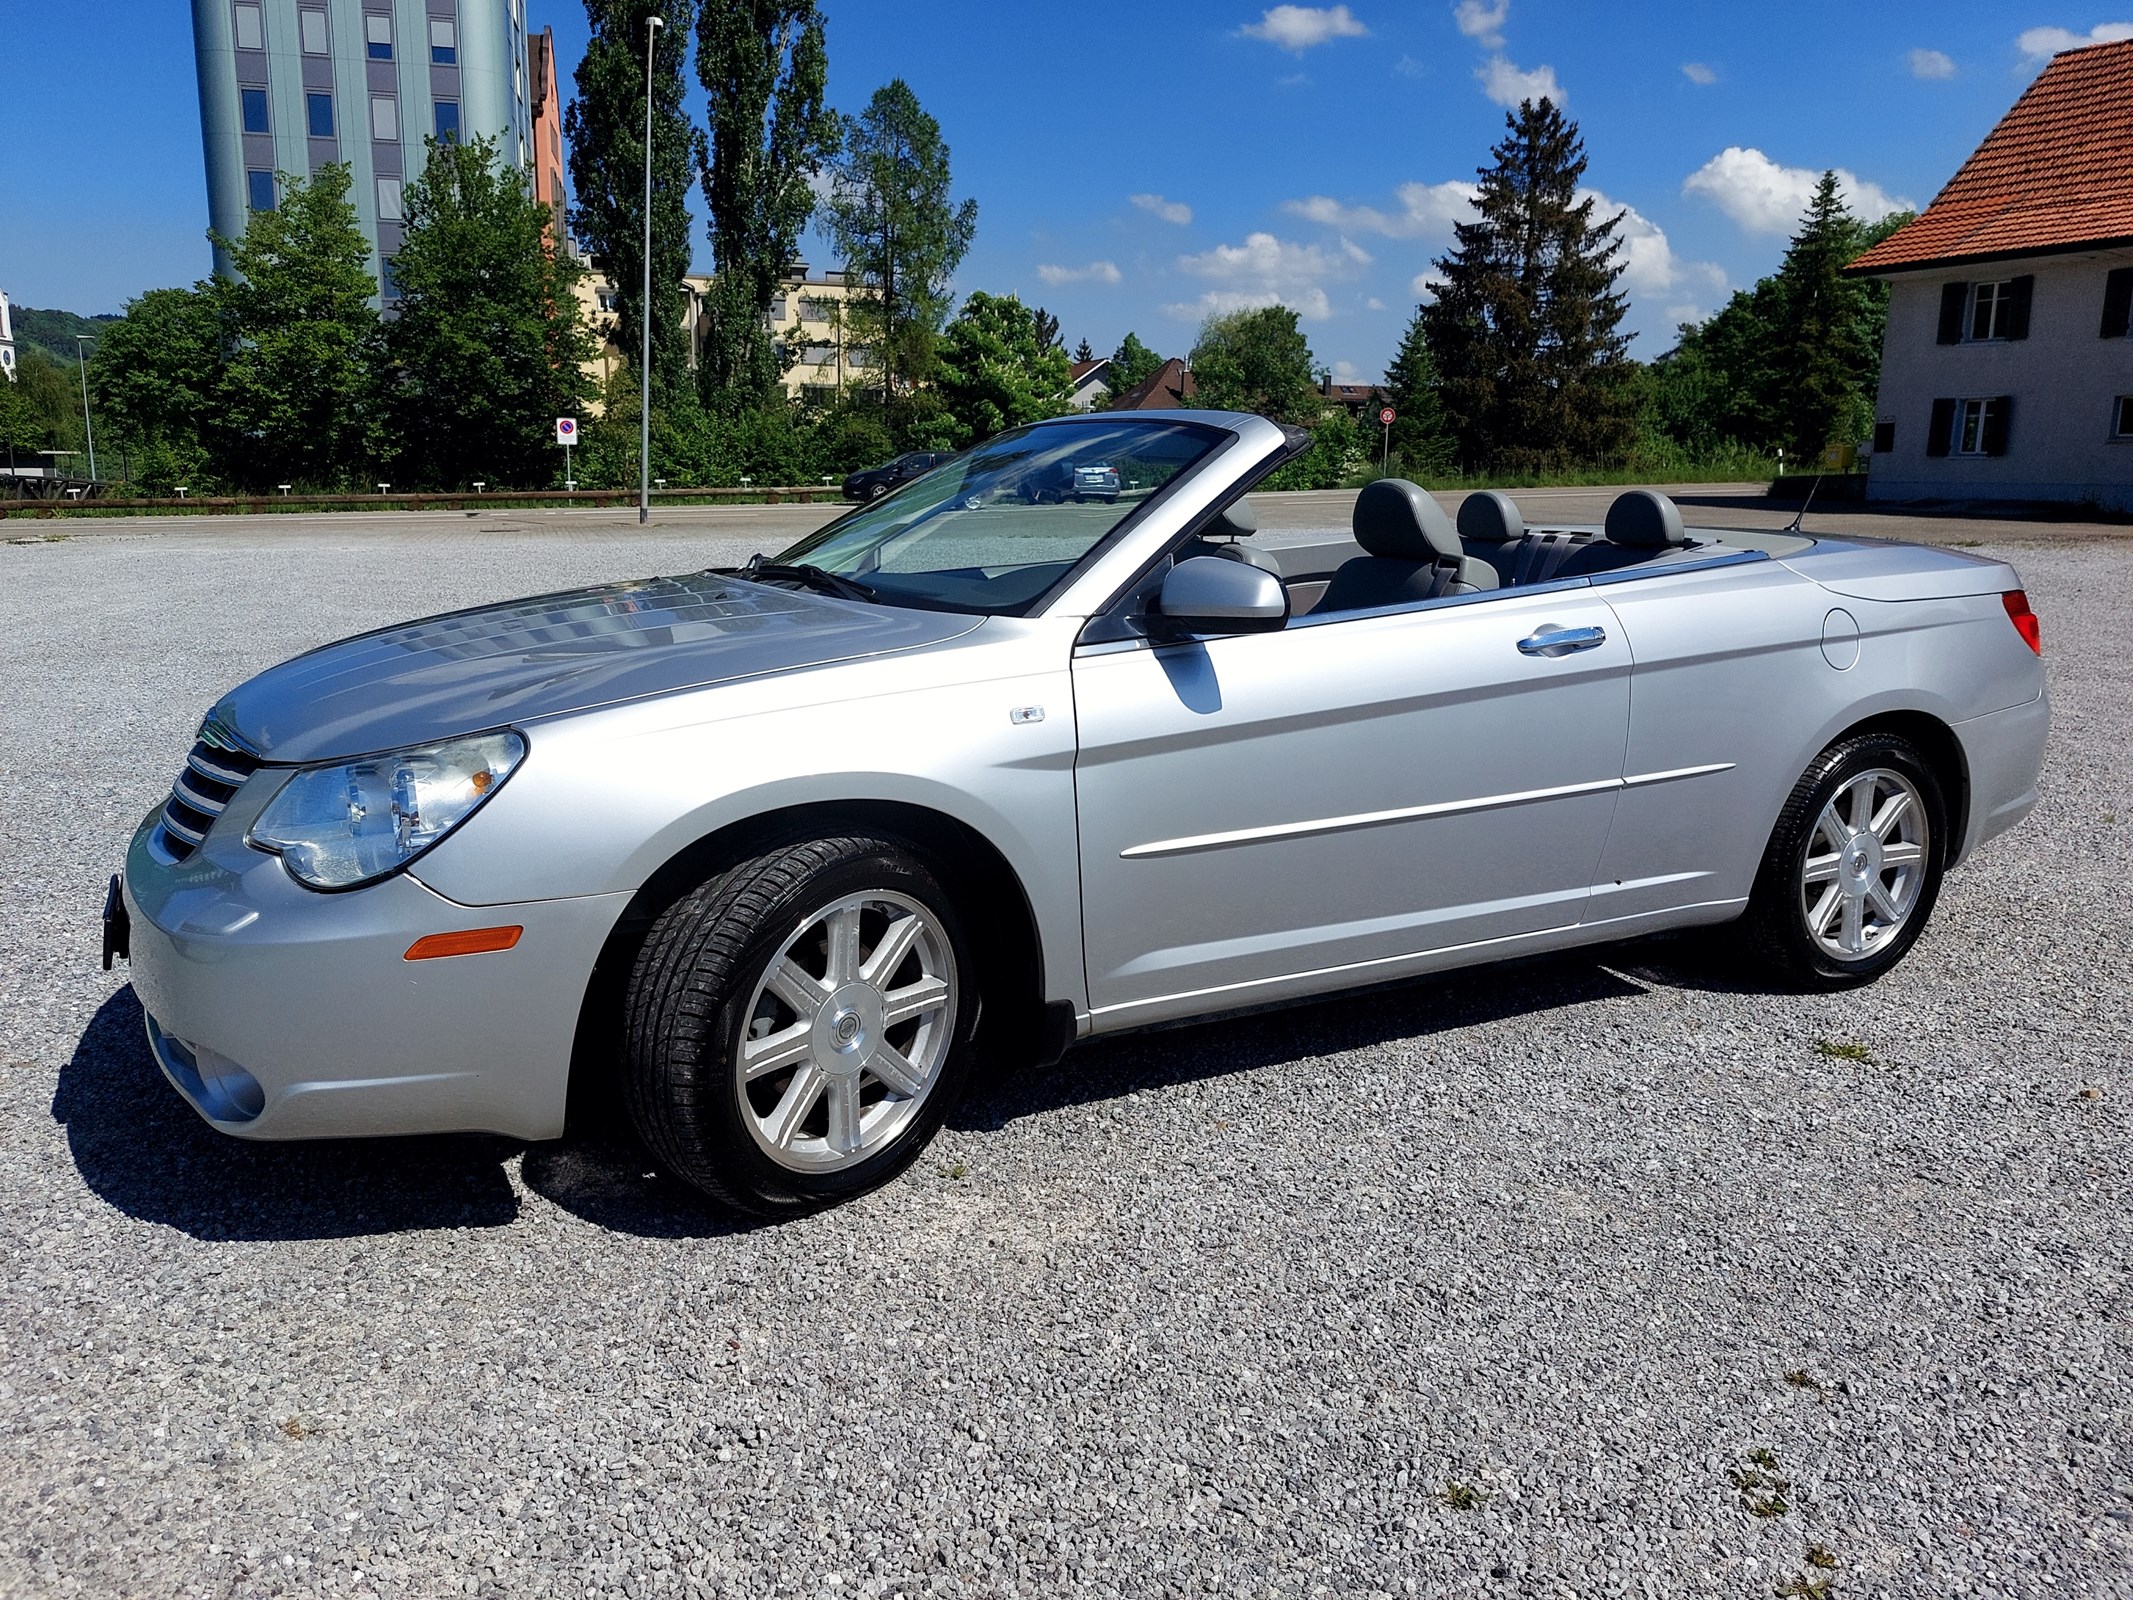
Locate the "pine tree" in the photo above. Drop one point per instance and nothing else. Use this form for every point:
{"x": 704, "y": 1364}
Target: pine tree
{"x": 764, "y": 65}
{"x": 1524, "y": 332}
{"x": 296, "y": 401}
{"x": 1083, "y": 352}
{"x": 1826, "y": 351}
{"x": 900, "y": 234}
{"x": 1422, "y": 444}
{"x": 606, "y": 128}
{"x": 488, "y": 342}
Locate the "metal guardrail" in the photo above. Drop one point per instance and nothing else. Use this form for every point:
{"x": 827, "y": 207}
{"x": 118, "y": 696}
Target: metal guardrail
{"x": 266, "y": 504}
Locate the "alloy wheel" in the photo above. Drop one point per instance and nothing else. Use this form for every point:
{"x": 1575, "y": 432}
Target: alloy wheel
{"x": 847, "y": 1031}
{"x": 1865, "y": 864}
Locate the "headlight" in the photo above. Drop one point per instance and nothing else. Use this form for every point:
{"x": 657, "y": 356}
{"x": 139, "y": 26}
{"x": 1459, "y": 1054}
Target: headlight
{"x": 338, "y": 826}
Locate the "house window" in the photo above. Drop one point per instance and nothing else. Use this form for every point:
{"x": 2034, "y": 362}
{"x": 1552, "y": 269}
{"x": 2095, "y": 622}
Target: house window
{"x": 448, "y": 122}
{"x": 607, "y": 300}
{"x": 444, "y": 41}
{"x": 378, "y": 37}
{"x": 255, "y": 110}
{"x": 1991, "y": 310}
{"x": 251, "y": 29}
{"x": 388, "y": 199}
{"x": 311, "y": 27}
{"x": 318, "y": 108}
{"x": 1884, "y": 438}
{"x": 386, "y": 282}
{"x": 1980, "y": 427}
{"x": 384, "y": 117}
{"x": 259, "y": 190}
{"x": 2122, "y": 417}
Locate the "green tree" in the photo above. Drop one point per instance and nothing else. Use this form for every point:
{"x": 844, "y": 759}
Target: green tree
{"x": 605, "y": 123}
{"x": 296, "y": 400}
{"x": 1257, "y": 361}
{"x": 488, "y": 342}
{"x": 1083, "y": 352}
{"x": 1422, "y": 444}
{"x": 1132, "y": 363}
{"x": 892, "y": 219}
{"x": 765, "y": 65}
{"x": 997, "y": 368}
{"x": 156, "y": 376}
{"x": 41, "y": 409}
{"x": 1524, "y": 331}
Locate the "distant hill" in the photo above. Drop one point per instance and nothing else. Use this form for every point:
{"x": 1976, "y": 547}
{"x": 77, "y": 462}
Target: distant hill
{"x": 53, "y": 331}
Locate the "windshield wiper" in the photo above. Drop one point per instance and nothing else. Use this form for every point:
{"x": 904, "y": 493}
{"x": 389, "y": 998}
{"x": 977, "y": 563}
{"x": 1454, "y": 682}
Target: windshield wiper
{"x": 807, "y": 574}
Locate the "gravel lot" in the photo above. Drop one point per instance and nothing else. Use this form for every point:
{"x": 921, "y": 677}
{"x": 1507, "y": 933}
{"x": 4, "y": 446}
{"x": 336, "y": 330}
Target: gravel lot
{"x": 1489, "y": 1285}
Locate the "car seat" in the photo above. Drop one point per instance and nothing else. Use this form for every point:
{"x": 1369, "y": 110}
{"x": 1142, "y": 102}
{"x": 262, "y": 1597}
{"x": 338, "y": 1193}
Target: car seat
{"x": 1413, "y": 553}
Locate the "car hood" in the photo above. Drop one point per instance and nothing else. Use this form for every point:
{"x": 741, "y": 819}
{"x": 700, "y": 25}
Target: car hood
{"x": 470, "y": 670}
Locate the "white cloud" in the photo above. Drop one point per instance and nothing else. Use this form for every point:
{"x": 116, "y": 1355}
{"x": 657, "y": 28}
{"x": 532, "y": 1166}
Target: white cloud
{"x": 1094, "y": 272}
{"x": 1373, "y": 304}
{"x": 1507, "y": 84}
{"x": 1347, "y": 372}
{"x": 1427, "y": 210}
{"x": 1298, "y": 28}
{"x": 1650, "y": 269}
{"x": 1697, "y": 73}
{"x": 2040, "y": 43}
{"x": 1931, "y": 64}
{"x": 1265, "y": 271}
{"x": 1483, "y": 22}
{"x": 1764, "y": 197}
{"x": 1169, "y": 210}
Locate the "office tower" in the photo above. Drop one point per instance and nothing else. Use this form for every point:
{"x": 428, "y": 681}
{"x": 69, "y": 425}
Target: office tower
{"x": 287, "y": 86}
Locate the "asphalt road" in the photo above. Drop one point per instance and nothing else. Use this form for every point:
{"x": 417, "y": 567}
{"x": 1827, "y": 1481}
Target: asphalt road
{"x": 1491, "y": 1285}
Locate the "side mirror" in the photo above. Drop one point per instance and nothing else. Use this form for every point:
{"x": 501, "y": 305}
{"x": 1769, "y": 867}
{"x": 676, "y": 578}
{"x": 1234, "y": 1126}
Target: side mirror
{"x": 1213, "y": 594}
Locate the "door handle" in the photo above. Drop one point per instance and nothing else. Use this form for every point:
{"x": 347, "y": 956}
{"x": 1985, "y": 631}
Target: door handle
{"x": 1551, "y": 641}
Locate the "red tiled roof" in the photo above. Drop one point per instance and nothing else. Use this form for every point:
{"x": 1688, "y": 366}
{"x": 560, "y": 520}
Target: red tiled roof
{"x": 2056, "y": 174}
{"x": 1167, "y": 388}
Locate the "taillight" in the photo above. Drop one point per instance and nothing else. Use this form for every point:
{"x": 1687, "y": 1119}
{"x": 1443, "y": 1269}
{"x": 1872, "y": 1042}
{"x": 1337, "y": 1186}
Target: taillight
{"x": 2024, "y": 619}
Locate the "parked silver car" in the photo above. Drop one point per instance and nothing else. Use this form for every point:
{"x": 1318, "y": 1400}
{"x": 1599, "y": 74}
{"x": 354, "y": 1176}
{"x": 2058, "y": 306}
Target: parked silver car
{"x": 775, "y": 856}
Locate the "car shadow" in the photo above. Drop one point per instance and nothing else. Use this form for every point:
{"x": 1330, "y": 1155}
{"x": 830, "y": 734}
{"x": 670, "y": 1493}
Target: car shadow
{"x": 143, "y": 1150}
{"x": 1155, "y": 1058}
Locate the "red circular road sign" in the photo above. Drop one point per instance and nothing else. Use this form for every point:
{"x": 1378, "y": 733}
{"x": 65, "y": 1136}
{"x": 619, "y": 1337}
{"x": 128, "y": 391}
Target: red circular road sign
{"x": 1386, "y": 415}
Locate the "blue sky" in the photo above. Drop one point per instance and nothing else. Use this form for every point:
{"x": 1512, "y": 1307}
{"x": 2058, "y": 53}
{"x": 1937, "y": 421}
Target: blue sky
{"x": 1138, "y": 164}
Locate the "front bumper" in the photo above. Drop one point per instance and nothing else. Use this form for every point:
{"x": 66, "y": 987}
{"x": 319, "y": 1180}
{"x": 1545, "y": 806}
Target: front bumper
{"x": 282, "y": 1013}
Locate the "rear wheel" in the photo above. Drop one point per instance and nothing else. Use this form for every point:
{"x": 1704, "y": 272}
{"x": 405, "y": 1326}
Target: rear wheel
{"x": 799, "y": 1026}
{"x": 1854, "y": 865}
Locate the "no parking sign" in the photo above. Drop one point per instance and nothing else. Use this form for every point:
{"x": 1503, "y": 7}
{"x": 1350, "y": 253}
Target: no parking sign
{"x": 566, "y": 430}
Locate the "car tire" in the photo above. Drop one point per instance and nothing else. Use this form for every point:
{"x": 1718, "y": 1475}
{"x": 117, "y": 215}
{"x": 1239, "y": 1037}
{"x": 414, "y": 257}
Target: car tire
{"x": 876, "y": 490}
{"x": 717, "y": 980}
{"x": 1836, "y": 904}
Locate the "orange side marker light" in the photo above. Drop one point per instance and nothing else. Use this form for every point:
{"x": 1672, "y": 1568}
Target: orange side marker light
{"x": 472, "y": 942}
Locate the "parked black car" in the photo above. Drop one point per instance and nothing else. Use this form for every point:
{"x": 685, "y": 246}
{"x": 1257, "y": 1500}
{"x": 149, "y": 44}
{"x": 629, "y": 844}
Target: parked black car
{"x": 875, "y": 482}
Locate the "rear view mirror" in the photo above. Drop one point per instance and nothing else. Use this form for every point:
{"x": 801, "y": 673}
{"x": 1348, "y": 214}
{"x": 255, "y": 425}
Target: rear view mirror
{"x": 1213, "y": 594}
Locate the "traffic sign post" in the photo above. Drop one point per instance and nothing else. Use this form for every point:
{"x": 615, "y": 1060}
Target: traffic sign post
{"x": 566, "y": 435}
{"x": 7, "y": 338}
{"x": 1385, "y": 419}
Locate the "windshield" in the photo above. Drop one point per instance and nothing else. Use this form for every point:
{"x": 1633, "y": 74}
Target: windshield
{"x": 993, "y": 529}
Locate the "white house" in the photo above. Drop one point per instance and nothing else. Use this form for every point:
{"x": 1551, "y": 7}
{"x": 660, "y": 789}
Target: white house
{"x": 2007, "y": 370}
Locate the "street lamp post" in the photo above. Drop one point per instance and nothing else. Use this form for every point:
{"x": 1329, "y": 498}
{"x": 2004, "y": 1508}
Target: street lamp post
{"x": 88, "y": 428}
{"x": 652, "y": 25}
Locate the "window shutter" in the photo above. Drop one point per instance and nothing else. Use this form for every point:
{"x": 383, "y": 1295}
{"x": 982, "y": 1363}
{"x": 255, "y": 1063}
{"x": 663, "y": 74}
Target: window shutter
{"x": 1941, "y": 429}
{"x": 2020, "y": 292}
{"x": 1954, "y": 300}
{"x": 1999, "y": 410}
{"x": 2117, "y": 303}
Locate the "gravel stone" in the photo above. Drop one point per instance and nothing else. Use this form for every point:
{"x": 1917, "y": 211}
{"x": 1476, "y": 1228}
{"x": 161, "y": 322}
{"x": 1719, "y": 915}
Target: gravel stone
{"x": 1487, "y": 1285}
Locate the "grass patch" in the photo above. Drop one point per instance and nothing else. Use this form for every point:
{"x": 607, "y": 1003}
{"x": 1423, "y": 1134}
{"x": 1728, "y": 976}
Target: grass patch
{"x": 1762, "y": 1491}
{"x": 1801, "y": 1378}
{"x": 1463, "y": 1496}
{"x": 1844, "y": 1050}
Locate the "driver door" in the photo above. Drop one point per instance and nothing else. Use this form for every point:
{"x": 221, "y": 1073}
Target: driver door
{"x": 1279, "y": 813}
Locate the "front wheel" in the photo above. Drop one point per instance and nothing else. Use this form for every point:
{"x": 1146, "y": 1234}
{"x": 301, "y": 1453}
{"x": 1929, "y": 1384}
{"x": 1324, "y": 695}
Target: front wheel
{"x": 799, "y": 1026}
{"x": 1854, "y": 865}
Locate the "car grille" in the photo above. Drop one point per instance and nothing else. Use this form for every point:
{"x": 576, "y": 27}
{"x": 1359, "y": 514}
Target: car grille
{"x": 212, "y": 776}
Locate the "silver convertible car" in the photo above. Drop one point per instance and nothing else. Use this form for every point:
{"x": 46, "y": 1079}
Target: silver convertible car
{"x": 776, "y": 856}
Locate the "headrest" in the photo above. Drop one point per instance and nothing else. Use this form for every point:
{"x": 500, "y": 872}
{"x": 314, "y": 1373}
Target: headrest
{"x": 1644, "y": 518}
{"x": 1238, "y": 522}
{"x": 1399, "y": 519}
{"x": 1490, "y": 517}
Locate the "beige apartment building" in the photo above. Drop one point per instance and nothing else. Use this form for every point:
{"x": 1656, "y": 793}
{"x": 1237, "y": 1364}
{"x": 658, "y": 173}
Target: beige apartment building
{"x": 807, "y": 316}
